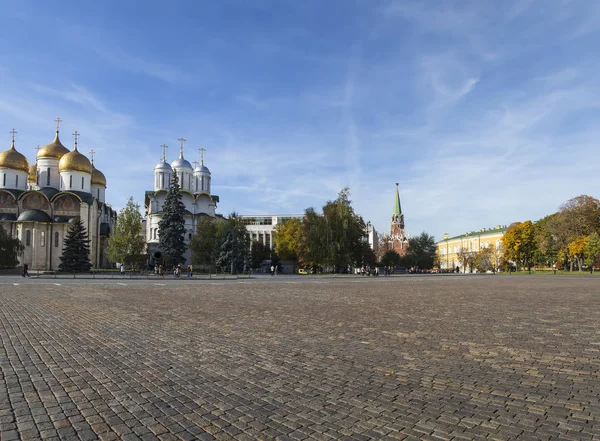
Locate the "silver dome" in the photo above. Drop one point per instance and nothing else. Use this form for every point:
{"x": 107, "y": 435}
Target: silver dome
{"x": 181, "y": 163}
{"x": 201, "y": 169}
{"x": 163, "y": 166}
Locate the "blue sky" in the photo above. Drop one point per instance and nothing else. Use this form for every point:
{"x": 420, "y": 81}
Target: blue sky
{"x": 485, "y": 112}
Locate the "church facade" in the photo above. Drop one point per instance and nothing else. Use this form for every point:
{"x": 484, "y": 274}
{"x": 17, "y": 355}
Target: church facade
{"x": 38, "y": 203}
{"x": 195, "y": 183}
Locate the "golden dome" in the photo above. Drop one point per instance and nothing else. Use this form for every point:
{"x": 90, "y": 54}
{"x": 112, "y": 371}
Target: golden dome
{"x": 75, "y": 161}
{"x": 98, "y": 177}
{"x": 14, "y": 160}
{"x": 32, "y": 178}
{"x": 53, "y": 150}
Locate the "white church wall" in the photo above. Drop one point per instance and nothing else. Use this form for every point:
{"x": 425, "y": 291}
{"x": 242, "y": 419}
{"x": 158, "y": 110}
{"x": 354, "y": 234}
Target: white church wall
{"x": 49, "y": 175}
{"x": 76, "y": 181}
{"x": 13, "y": 179}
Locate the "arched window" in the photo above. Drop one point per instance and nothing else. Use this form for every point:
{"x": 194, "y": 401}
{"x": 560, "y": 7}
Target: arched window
{"x": 71, "y": 181}
{"x": 98, "y": 194}
{"x": 82, "y": 182}
{"x": 48, "y": 176}
{"x": 42, "y": 238}
{"x": 4, "y": 179}
{"x": 28, "y": 238}
{"x": 17, "y": 181}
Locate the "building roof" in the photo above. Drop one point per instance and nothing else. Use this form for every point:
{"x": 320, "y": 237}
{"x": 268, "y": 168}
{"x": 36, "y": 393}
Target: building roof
{"x": 397, "y": 208}
{"x": 34, "y": 216}
{"x": 8, "y": 217}
{"x": 482, "y": 232}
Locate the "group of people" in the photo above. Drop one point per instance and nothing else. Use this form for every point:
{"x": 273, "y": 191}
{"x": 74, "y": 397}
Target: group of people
{"x": 159, "y": 270}
{"x": 367, "y": 271}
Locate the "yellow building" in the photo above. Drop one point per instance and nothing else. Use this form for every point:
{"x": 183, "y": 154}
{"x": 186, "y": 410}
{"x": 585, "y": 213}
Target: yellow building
{"x": 450, "y": 248}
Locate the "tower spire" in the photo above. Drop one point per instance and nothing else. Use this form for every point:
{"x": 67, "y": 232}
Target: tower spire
{"x": 397, "y": 207}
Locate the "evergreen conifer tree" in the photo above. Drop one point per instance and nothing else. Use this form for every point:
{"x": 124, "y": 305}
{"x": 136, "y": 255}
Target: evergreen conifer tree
{"x": 75, "y": 256}
{"x": 10, "y": 247}
{"x": 171, "y": 228}
{"x": 233, "y": 248}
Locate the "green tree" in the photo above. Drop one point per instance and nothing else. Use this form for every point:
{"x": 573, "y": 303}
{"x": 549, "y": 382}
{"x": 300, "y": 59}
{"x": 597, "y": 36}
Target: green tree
{"x": 391, "y": 258}
{"x": 287, "y": 239}
{"x": 204, "y": 242}
{"x": 259, "y": 253}
{"x": 421, "y": 251}
{"x": 127, "y": 244}
{"x": 314, "y": 240}
{"x": 76, "y": 250}
{"x": 233, "y": 246}
{"x": 10, "y": 247}
{"x": 592, "y": 250}
{"x": 171, "y": 228}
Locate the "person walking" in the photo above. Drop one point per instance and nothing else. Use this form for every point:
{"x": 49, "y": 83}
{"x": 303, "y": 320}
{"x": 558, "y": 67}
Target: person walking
{"x": 122, "y": 269}
{"x": 272, "y": 270}
{"x": 25, "y": 270}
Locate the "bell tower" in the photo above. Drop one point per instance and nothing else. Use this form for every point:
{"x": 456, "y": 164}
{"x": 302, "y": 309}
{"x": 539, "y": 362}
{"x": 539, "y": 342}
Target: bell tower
{"x": 397, "y": 236}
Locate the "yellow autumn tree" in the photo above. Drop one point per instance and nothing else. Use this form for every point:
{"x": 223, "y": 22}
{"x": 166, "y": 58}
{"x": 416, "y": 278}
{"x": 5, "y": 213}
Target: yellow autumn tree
{"x": 287, "y": 239}
{"x": 577, "y": 250}
{"x": 519, "y": 244}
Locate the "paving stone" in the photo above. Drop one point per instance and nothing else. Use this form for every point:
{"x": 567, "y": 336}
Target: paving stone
{"x": 431, "y": 357}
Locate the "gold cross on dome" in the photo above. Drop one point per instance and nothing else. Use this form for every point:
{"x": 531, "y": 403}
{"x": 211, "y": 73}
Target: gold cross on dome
{"x": 38, "y": 148}
{"x": 92, "y": 152}
{"x": 181, "y": 140}
{"x": 13, "y": 132}
{"x": 58, "y": 121}
{"x": 164, "y": 155}
{"x": 76, "y": 135}
{"x": 202, "y": 150}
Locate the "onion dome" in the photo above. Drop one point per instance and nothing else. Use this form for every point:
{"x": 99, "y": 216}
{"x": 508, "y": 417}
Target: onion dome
{"x": 75, "y": 161}
{"x": 201, "y": 169}
{"x": 181, "y": 162}
{"x": 163, "y": 165}
{"x": 14, "y": 160}
{"x": 54, "y": 150}
{"x": 98, "y": 177}
{"x": 32, "y": 177}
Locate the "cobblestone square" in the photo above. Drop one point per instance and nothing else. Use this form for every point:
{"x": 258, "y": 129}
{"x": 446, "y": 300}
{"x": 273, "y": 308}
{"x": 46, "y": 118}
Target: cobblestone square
{"x": 433, "y": 358}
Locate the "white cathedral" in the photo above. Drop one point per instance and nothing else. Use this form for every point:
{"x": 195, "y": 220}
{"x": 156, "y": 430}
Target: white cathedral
{"x": 195, "y": 185}
{"x": 39, "y": 202}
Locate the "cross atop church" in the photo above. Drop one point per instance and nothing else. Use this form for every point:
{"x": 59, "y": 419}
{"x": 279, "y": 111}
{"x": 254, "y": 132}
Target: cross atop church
{"x": 202, "y": 150}
{"x": 164, "y": 155}
{"x": 195, "y": 164}
{"x": 92, "y": 152}
{"x": 58, "y": 121}
{"x": 181, "y": 140}
{"x": 13, "y": 132}
{"x": 76, "y": 135}
{"x": 37, "y": 149}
